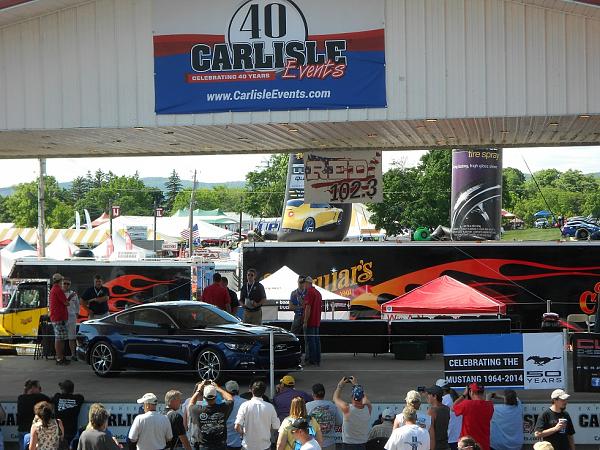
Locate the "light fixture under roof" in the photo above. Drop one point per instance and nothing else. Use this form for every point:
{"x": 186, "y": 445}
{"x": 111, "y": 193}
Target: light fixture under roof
{"x": 504, "y": 131}
{"x": 553, "y": 124}
{"x": 372, "y": 135}
{"x": 584, "y": 116}
{"x": 292, "y": 130}
{"x": 431, "y": 120}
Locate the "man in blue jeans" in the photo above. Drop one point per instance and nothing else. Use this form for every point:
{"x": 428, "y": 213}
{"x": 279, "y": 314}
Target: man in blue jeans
{"x": 312, "y": 321}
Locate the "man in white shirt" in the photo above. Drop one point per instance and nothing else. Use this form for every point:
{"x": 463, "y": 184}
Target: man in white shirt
{"x": 409, "y": 436}
{"x": 300, "y": 430}
{"x": 255, "y": 420}
{"x": 151, "y": 430}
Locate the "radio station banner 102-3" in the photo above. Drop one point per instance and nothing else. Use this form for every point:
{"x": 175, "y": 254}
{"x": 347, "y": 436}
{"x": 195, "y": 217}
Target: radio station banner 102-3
{"x": 501, "y": 361}
{"x": 262, "y": 55}
{"x": 349, "y": 176}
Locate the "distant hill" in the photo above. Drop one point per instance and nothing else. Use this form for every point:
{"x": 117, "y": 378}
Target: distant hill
{"x": 155, "y": 182}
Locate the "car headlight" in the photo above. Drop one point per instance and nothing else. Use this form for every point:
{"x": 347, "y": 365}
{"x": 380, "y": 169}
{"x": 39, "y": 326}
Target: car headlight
{"x": 238, "y": 347}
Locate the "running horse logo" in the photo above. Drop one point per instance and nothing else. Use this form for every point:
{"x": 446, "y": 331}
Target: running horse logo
{"x": 542, "y": 360}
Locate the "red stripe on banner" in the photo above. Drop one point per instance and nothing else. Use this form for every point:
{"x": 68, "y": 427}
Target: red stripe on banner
{"x": 176, "y": 44}
{"x": 359, "y": 41}
{"x": 9, "y": 3}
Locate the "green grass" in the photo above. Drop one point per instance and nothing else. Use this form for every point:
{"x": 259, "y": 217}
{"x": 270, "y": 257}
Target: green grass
{"x": 532, "y": 234}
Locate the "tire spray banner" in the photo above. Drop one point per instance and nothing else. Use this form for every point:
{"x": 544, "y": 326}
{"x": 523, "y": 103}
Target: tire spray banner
{"x": 586, "y": 362}
{"x": 261, "y": 55}
{"x": 476, "y": 194}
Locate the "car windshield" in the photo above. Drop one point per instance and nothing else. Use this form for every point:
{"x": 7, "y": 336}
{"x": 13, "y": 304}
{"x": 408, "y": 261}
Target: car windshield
{"x": 200, "y": 316}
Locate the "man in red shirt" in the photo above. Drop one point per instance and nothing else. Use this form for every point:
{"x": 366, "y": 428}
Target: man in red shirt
{"x": 477, "y": 414}
{"x": 312, "y": 321}
{"x": 217, "y": 295}
{"x": 59, "y": 315}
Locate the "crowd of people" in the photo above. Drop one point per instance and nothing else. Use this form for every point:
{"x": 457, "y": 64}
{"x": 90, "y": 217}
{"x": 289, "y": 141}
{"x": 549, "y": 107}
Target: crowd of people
{"x": 223, "y": 418}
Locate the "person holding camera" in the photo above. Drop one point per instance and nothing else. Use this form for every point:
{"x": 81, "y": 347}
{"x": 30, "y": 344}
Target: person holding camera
{"x": 209, "y": 422}
{"x": 476, "y": 412}
{"x": 356, "y": 415}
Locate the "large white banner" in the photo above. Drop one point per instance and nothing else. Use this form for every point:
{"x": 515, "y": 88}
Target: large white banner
{"x": 585, "y": 419}
{"x": 343, "y": 177}
{"x": 499, "y": 361}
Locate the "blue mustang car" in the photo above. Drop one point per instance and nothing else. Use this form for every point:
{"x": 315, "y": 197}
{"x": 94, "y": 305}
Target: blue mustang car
{"x": 580, "y": 229}
{"x": 183, "y": 336}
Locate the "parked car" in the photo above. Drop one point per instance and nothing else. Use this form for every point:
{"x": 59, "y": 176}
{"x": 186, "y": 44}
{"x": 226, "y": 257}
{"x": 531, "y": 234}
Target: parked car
{"x": 184, "y": 336}
{"x": 541, "y": 223}
{"x": 309, "y": 217}
{"x": 579, "y": 228}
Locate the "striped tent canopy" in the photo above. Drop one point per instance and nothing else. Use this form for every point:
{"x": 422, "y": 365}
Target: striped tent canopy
{"x": 82, "y": 237}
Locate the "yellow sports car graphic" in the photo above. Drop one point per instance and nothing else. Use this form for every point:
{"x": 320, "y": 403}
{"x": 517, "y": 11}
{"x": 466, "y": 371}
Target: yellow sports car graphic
{"x": 308, "y": 217}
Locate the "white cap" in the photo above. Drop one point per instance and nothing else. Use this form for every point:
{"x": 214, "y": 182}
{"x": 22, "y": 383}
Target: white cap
{"x": 387, "y": 414}
{"x": 442, "y": 382}
{"x": 148, "y": 398}
{"x": 209, "y": 392}
{"x": 560, "y": 394}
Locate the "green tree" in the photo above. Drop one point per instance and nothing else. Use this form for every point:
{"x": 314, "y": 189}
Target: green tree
{"x": 265, "y": 189}
{"x": 417, "y": 196}
{"x": 4, "y": 214}
{"x": 22, "y": 205}
{"x": 218, "y": 197}
{"x": 172, "y": 188}
{"x": 130, "y": 193}
{"x": 513, "y": 187}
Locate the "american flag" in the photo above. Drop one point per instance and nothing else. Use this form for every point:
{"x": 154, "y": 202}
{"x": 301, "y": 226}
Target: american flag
{"x": 185, "y": 233}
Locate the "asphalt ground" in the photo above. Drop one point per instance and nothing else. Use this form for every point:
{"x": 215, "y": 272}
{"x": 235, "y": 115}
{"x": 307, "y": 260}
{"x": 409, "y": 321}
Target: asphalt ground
{"x": 385, "y": 379}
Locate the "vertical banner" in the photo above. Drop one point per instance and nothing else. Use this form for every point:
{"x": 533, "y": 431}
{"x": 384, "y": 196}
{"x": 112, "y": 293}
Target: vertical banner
{"x": 586, "y": 362}
{"x": 351, "y": 176}
{"x": 260, "y": 55}
{"x": 500, "y": 361}
{"x": 476, "y": 194}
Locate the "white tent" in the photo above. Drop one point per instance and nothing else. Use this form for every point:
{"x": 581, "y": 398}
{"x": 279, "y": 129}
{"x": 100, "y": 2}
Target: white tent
{"x": 280, "y": 284}
{"x": 120, "y": 250}
{"x": 18, "y": 248}
{"x": 166, "y": 226}
{"x": 61, "y": 248}
{"x": 360, "y": 224}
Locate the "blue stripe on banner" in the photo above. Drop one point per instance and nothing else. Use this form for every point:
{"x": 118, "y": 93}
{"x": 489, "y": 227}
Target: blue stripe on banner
{"x": 483, "y": 343}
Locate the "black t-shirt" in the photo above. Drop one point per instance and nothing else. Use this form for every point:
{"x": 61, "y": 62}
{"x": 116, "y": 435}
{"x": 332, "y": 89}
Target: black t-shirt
{"x": 234, "y": 300}
{"x": 25, "y": 414}
{"x": 96, "y": 307}
{"x": 212, "y": 423}
{"x": 255, "y": 292}
{"x": 66, "y": 408}
{"x": 548, "y": 419}
{"x": 177, "y": 426}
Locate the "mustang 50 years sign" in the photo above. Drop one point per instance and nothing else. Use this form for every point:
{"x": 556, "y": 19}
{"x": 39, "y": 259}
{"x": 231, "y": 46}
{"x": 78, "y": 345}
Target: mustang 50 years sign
{"x": 263, "y": 55}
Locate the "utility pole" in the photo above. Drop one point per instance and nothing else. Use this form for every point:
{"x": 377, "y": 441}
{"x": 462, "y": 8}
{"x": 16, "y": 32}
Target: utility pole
{"x": 110, "y": 215}
{"x": 41, "y": 250}
{"x": 154, "y": 243}
{"x": 191, "y": 223}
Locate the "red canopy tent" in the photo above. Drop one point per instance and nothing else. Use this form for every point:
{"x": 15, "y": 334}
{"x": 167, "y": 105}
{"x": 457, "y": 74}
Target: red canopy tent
{"x": 443, "y": 296}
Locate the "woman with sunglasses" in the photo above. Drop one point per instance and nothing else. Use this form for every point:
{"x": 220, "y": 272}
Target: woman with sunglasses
{"x": 73, "y": 310}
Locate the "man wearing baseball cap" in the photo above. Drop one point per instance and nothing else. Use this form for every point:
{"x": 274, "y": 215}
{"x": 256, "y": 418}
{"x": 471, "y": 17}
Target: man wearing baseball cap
{"x": 286, "y": 391}
{"x": 300, "y": 430}
{"x": 385, "y": 428}
{"x": 477, "y": 414}
{"x": 210, "y": 420}
{"x": 356, "y": 415}
{"x": 455, "y": 423}
{"x": 151, "y": 430}
{"x": 555, "y": 425}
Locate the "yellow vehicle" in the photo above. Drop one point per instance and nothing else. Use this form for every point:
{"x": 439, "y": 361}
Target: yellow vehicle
{"x": 308, "y": 217}
{"x": 21, "y": 316}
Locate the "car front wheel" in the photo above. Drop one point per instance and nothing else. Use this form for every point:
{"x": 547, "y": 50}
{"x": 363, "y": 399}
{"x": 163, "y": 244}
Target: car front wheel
{"x": 103, "y": 360}
{"x": 210, "y": 364}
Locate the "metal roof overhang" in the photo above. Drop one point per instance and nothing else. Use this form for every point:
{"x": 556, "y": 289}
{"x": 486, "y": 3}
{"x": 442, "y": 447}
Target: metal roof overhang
{"x": 295, "y": 137}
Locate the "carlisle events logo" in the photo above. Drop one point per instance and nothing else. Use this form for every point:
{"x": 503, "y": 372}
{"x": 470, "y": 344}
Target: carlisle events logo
{"x": 260, "y": 55}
